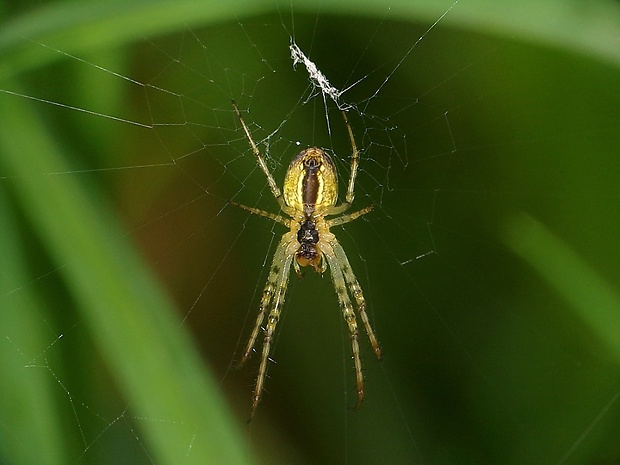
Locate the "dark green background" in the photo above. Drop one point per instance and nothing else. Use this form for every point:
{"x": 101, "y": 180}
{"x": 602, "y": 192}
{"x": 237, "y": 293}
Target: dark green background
{"x": 499, "y": 156}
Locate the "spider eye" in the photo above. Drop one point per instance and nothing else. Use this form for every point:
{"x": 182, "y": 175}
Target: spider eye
{"x": 312, "y": 163}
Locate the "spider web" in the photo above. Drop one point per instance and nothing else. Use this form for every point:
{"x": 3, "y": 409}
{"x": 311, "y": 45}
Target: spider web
{"x": 467, "y": 147}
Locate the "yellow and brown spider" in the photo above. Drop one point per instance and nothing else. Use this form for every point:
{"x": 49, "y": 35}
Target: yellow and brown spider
{"x": 310, "y": 194}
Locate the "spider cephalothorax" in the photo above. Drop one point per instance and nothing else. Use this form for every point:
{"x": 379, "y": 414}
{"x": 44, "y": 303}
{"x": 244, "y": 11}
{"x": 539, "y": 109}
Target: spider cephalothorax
{"x": 308, "y": 238}
{"x": 310, "y": 194}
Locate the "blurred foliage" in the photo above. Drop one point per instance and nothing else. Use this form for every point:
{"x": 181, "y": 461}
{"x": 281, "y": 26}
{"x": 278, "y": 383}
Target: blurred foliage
{"x": 501, "y": 345}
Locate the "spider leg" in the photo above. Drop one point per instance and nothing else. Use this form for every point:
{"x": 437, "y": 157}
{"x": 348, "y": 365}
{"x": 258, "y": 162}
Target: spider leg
{"x": 348, "y": 217}
{"x": 349, "y": 316}
{"x": 275, "y": 275}
{"x": 259, "y": 212}
{"x": 356, "y": 290}
{"x": 354, "y": 162}
{"x": 273, "y": 295}
{"x": 275, "y": 190}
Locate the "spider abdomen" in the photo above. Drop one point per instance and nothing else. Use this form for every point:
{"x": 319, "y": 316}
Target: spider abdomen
{"x": 311, "y": 183}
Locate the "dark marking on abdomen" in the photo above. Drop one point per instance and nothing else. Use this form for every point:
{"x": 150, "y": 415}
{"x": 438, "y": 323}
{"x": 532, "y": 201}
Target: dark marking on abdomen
{"x": 310, "y": 188}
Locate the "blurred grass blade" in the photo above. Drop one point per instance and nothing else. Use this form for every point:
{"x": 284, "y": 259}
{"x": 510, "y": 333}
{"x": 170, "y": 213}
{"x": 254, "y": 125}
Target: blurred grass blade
{"x": 130, "y": 319}
{"x": 592, "y": 298}
{"x": 80, "y": 27}
{"x": 30, "y": 423}
{"x": 74, "y": 28}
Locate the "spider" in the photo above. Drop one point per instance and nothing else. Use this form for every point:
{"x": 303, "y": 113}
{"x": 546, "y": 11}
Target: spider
{"x": 309, "y": 195}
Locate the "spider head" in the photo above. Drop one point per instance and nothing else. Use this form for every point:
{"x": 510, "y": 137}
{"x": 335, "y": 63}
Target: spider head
{"x": 311, "y": 182}
{"x": 308, "y": 255}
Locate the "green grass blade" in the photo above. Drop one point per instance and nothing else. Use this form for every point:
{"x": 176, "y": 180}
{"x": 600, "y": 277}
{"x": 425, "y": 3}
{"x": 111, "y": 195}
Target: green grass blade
{"x": 30, "y": 429}
{"x": 129, "y": 317}
{"x": 587, "y": 27}
{"x": 594, "y": 300}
